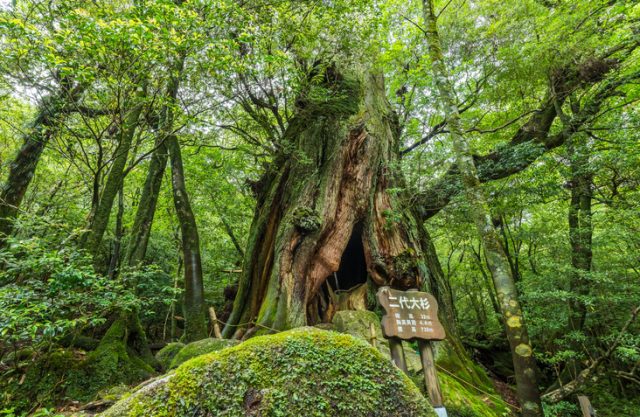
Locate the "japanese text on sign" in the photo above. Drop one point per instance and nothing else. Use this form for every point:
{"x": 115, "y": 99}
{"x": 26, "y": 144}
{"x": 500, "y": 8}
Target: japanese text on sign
{"x": 410, "y": 315}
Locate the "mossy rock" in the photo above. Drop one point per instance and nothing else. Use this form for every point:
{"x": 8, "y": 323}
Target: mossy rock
{"x": 64, "y": 375}
{"x": 167, "y": 353}
{"x": 358, "y": 323}
{"x": 301, "y": 372}
{"x": 201, "y": 347}
{"x": 464, "y": 400}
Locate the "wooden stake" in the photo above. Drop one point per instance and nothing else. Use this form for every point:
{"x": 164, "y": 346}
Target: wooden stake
{"x": 585, "y": 406}
{"x": 397, "y": 353}
{"x": 214, "y": 321}
{"x": 372, "y": 333}
{"x": 430, "y": 374}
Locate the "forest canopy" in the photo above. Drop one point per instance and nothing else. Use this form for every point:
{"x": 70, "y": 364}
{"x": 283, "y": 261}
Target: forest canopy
{"x": 171, "y": 167}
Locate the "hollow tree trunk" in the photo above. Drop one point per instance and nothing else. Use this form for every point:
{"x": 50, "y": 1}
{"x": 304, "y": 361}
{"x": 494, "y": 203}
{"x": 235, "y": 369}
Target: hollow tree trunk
{"x": 23, "y": 167}
{"x": 340, "y": 171}
{"x": 194, "y": 304}
{"x": 523, "y": 361}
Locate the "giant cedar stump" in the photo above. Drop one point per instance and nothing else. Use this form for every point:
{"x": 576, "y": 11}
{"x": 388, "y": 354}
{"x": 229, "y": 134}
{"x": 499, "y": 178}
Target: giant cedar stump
{"x": 337, "y": 172}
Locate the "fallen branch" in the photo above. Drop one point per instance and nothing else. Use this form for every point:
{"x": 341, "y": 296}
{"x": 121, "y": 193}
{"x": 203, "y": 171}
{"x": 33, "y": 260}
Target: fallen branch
{"x": 589, "y": 374}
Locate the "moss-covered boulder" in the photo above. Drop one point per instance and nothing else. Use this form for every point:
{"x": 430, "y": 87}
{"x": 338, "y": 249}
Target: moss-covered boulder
{"x": 358, "y": 323}
{"x": 301, "y": 372}
{"x": 167, "y": 353}
{"x": 201, "y": 347}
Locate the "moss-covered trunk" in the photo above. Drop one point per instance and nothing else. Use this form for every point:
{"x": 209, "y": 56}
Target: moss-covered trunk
{"x": 50, "y": 114}
{"x": 337, "y": 176}
{"x": 194, "y": 304}
{"x": 141, "y": 229}
{"x": 126, "y": 132}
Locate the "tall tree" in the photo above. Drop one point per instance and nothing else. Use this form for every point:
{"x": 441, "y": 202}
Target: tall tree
{"x": 127, "y": 125}
{"x": 329, "y": 186}
{"x": 195, "y": 308}
{"x": 51, "y": 110}
{"x": 580, "y": 227}
{"x": 523, "y": 360}
{"x": 141, "y": 229}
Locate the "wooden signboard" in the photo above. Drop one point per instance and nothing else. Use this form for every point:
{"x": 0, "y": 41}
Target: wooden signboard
{"x": 413, "y": 315}
{"x": 410, "y": 315}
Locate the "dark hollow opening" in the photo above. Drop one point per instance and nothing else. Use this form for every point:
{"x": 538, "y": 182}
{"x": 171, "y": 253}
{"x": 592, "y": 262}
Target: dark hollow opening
{"x": 353, "y": 265}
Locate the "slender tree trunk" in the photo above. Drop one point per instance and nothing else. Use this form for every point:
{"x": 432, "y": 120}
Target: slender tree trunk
{"x": 232, "y": 235}
{"x": 580, "y": 228}
{"x": 438, "y": 285}
{"x": 511, "y": 249}
{"x": 119, "y": 231}
{"x": 195, "y": 308}
{"x": 116, "y": 175}
{"x": 21, "y": 171}
{"x": 521, "y": 351}
{"x": 491, "y": 291}
{"x": 141, "y": 229}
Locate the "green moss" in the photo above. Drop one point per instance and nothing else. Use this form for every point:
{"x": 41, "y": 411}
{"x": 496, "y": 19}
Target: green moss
{"x": 198, "y": 348}
{"x": 36, "y": 382}
{"x": 464, "y": 400}
{"x": 70, "y": 374}
{"x": 112, "y": 363}
{"x": 357, "y": 323}
{"x": 302, "y": 372}
{"x": 167, "y": 353}
{"x": 306, "y": 219}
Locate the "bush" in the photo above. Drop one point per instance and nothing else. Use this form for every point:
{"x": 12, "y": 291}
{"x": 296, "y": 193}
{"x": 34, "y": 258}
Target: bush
{"x": 50, "y": 294}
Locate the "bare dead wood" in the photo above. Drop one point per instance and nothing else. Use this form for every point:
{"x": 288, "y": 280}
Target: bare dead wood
{"x": 215, "y": 323}
{"x": 590, "y": 373}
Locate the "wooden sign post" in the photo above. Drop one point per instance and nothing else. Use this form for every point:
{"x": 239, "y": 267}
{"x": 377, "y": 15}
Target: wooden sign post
{"x": 413, "y": 315}
{"x": 585, "y": 406}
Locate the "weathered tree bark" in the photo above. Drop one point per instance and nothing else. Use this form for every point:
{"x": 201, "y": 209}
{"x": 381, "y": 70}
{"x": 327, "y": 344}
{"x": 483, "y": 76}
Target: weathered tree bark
{"x": 50, "y": 112}
{"x": 516, "y": 330}
{"x": 580, "y": 228}
{"x": 195, "y": 309}
{"x": 126, "y": 132}
{"x": 333, "y": 183}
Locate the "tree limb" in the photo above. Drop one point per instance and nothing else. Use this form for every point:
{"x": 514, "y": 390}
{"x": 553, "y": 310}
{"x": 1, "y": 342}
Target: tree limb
{"x": 532, "y": 139}
{"x": 588, "y": 374}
